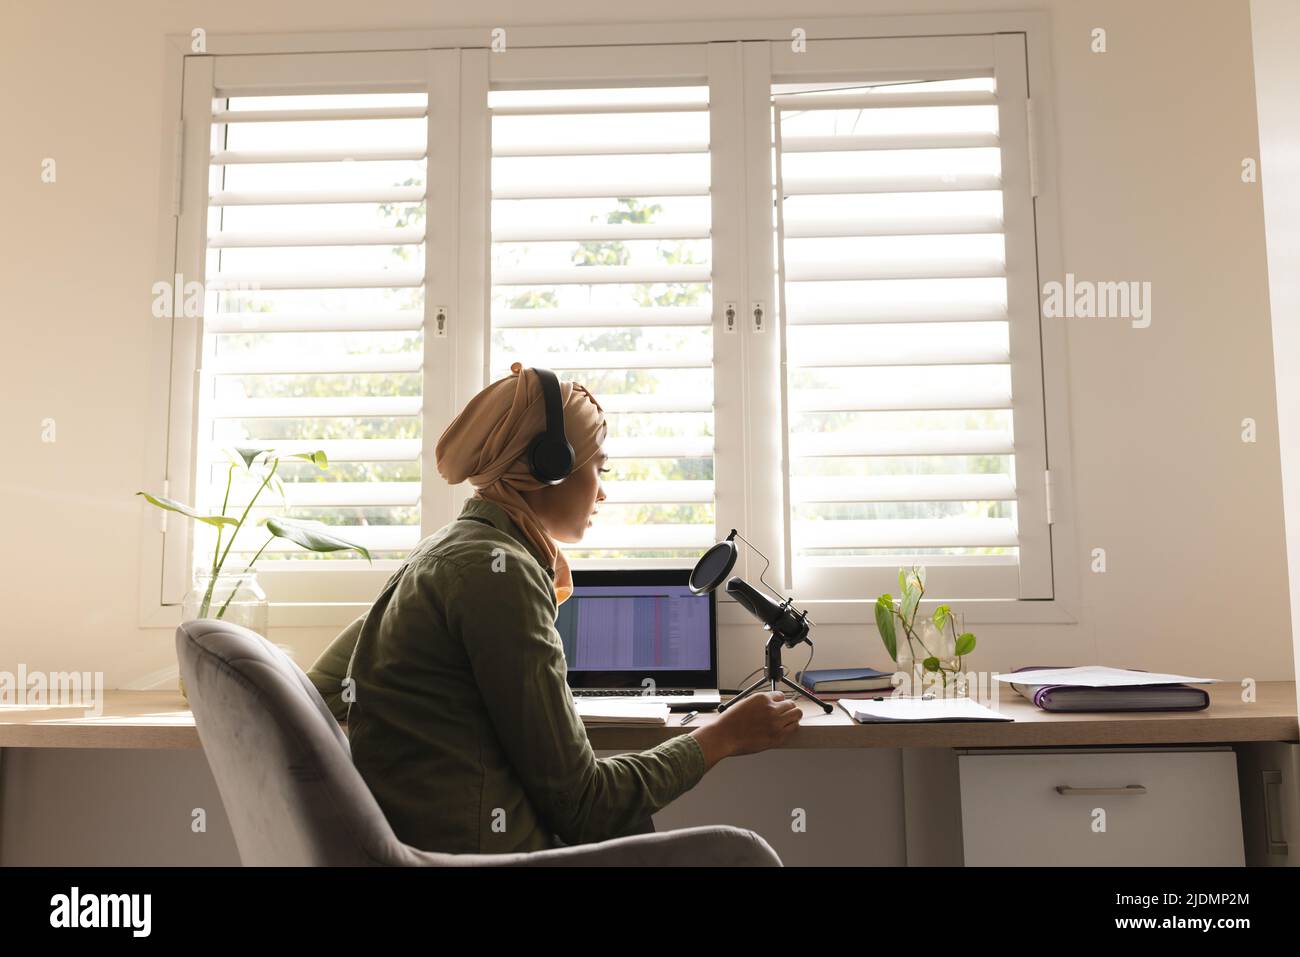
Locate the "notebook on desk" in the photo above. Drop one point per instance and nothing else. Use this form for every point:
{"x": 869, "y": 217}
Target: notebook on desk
{"x": 871, "y": 711}
{"x": 1063, "y": 696}
{"x": 626, "y": 633}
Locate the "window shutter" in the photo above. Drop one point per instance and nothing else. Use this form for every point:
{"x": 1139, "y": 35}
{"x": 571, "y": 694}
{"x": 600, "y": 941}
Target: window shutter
{"x": 896, "y": 261}
{"x": 601, "y": 271}
{"x": 315, "y": 289}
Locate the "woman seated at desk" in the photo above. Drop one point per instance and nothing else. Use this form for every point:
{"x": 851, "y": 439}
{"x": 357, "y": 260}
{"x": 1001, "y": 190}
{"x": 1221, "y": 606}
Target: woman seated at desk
{"x": 453, "y": 683}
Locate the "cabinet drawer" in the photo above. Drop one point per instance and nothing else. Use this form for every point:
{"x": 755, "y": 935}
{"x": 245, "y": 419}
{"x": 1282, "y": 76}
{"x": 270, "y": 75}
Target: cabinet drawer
{"x": 1071, "y": 808}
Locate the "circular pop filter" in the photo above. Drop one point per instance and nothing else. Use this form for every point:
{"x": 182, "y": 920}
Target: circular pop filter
{"x": 713, "y": 567}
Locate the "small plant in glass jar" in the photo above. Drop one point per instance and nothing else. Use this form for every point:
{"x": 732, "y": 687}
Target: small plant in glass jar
{"x": 933, "y": 646}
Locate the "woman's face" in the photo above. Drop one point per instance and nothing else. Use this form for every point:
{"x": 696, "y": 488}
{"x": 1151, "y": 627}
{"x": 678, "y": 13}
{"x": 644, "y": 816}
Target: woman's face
{"x": 566, "y": 509}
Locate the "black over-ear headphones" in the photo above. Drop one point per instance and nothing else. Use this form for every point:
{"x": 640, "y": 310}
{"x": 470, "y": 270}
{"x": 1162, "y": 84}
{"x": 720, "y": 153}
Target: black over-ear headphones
{"x": 550, "y": 456}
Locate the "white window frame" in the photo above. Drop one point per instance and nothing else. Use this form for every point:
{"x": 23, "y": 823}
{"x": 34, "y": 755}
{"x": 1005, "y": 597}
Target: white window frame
{"x": 458, "y": 68}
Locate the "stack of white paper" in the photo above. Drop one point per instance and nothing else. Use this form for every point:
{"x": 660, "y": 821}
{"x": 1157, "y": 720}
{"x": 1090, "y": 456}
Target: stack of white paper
{"x": 1098, "y": 676}
{"x": 621, "y": 711}
{"x": 866, "y": 711}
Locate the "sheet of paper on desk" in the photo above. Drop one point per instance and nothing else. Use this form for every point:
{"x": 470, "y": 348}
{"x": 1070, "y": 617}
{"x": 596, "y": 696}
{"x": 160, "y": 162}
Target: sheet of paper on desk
{"x": 1096, "y": 676}
{"x": 919, "y": 709}
{"x": 621, "y": 711}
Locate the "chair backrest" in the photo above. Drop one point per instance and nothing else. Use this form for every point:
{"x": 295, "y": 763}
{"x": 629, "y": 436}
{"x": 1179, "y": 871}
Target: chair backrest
{"x": 281, "y": 762}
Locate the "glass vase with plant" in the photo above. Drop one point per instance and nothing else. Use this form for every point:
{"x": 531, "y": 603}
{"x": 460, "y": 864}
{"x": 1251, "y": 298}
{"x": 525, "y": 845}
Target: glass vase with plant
{"x": 260, "y": 465}
{"x": 216, "y": 584}
{"x": 941, "y": 646}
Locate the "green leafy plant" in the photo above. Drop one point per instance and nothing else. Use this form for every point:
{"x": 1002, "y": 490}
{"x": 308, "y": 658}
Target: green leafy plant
{"x": 259, "y": 464}
{"x": 892, "y": 613}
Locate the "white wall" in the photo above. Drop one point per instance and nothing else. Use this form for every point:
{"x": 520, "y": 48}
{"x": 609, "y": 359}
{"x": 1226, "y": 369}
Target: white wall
{"x": 1150, "y": 138}
{"x": 1277, "y": 88}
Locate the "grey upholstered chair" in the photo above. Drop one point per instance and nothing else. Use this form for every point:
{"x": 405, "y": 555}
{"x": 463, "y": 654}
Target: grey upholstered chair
{"x": 285, "y": 773}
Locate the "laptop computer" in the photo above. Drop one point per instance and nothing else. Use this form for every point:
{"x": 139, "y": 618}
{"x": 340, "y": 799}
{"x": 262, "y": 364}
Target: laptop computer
{"x": 641, "y": 633}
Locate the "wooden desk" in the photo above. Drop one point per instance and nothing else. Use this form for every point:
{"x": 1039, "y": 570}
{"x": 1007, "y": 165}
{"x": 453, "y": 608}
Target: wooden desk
{"x": 162, "y": 720}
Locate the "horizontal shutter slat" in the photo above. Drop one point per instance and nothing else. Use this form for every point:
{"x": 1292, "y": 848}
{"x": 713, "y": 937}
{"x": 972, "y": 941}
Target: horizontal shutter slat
{"x": 318, "y": 115}
{"x": 261, "y": 364}
{"x": 580, "y": 232}
{"x": 870, "y": 398}
{"x": 333, "y": 495}
{"x": 618, "y": 360}
{"x": 853, "y": 313}
{"x": 377, "y": 279}
{"x": 576, "y": 109}
{"x": 897, "y": 226}
{"x": 876, "y": 101}
{"x": 358, "y": 237}
{"x": 905, "y": 488}
{"x": 352, "y": 493}
{"x": 806, "y": 357}
{"x": 562, "y": 318}
{"x": 319, "y": 155}
{"x": 386, "y": 538}
{"x": 596, "y": 190}
{"x": 636, "y": 402}
{"x": 312, "y": 197}
{"x": 234, "y": 322}
{"x": 889, "y": 141}
{"x": 922, "y": 269}
{"x": 907, "y": 533}
{"x": 919, "y": 442}
{"x": 337, "y": 450}
{"x": 582, "y": 275}
{"x": 669, "y": 447}
{"x": 317, "y": 407}
{"x": 646, "y": 535}
{"x": 907, "y": 183}
{"x": 677, "y": 490}
{"x": 569, "y": 148}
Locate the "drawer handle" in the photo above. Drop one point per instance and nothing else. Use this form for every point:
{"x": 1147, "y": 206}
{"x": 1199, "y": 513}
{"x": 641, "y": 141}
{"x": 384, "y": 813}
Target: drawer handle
{"x": 1127, "y": 789}
{"x": 1273, "y": 830}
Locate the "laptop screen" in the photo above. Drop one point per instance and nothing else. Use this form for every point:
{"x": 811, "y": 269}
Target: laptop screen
{"x": 620, "y": 628}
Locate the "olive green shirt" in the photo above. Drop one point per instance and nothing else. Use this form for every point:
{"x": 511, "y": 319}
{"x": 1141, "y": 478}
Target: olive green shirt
{"x": 459, "y": 714}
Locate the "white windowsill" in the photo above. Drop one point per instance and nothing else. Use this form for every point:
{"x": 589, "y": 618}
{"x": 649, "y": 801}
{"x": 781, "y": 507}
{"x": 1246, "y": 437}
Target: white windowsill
{"x": 975, "y": 611}
{"x": 282, "y": 615}
{"x": 848, "y": 612}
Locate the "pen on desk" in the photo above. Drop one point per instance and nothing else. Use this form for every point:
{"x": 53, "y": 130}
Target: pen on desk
{"x": 689, "y": 717}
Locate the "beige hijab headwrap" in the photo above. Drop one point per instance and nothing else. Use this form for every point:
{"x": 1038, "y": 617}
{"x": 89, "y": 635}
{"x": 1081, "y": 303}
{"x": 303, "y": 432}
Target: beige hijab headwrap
{"x": 486, "y": 443}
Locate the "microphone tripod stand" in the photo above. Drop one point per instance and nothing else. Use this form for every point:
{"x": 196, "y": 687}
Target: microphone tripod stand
{"x": 792, "y": 629}
{"x": 775, "y": 675}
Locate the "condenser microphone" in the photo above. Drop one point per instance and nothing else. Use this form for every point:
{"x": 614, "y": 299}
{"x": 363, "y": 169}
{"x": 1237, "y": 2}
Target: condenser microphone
{"x": 782, "y": 619}
{"x": 785, "y": 625}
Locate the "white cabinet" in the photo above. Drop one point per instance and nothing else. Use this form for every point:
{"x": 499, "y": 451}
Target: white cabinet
{"x": 1149, "y": 806}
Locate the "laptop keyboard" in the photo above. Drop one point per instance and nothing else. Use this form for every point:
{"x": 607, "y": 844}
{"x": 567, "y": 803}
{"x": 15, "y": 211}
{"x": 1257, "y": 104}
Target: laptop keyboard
{"x": 629, "y": 692}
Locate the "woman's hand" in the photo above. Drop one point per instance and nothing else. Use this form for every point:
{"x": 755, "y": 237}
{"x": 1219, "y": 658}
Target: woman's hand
{"x": 761, "y": 721}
